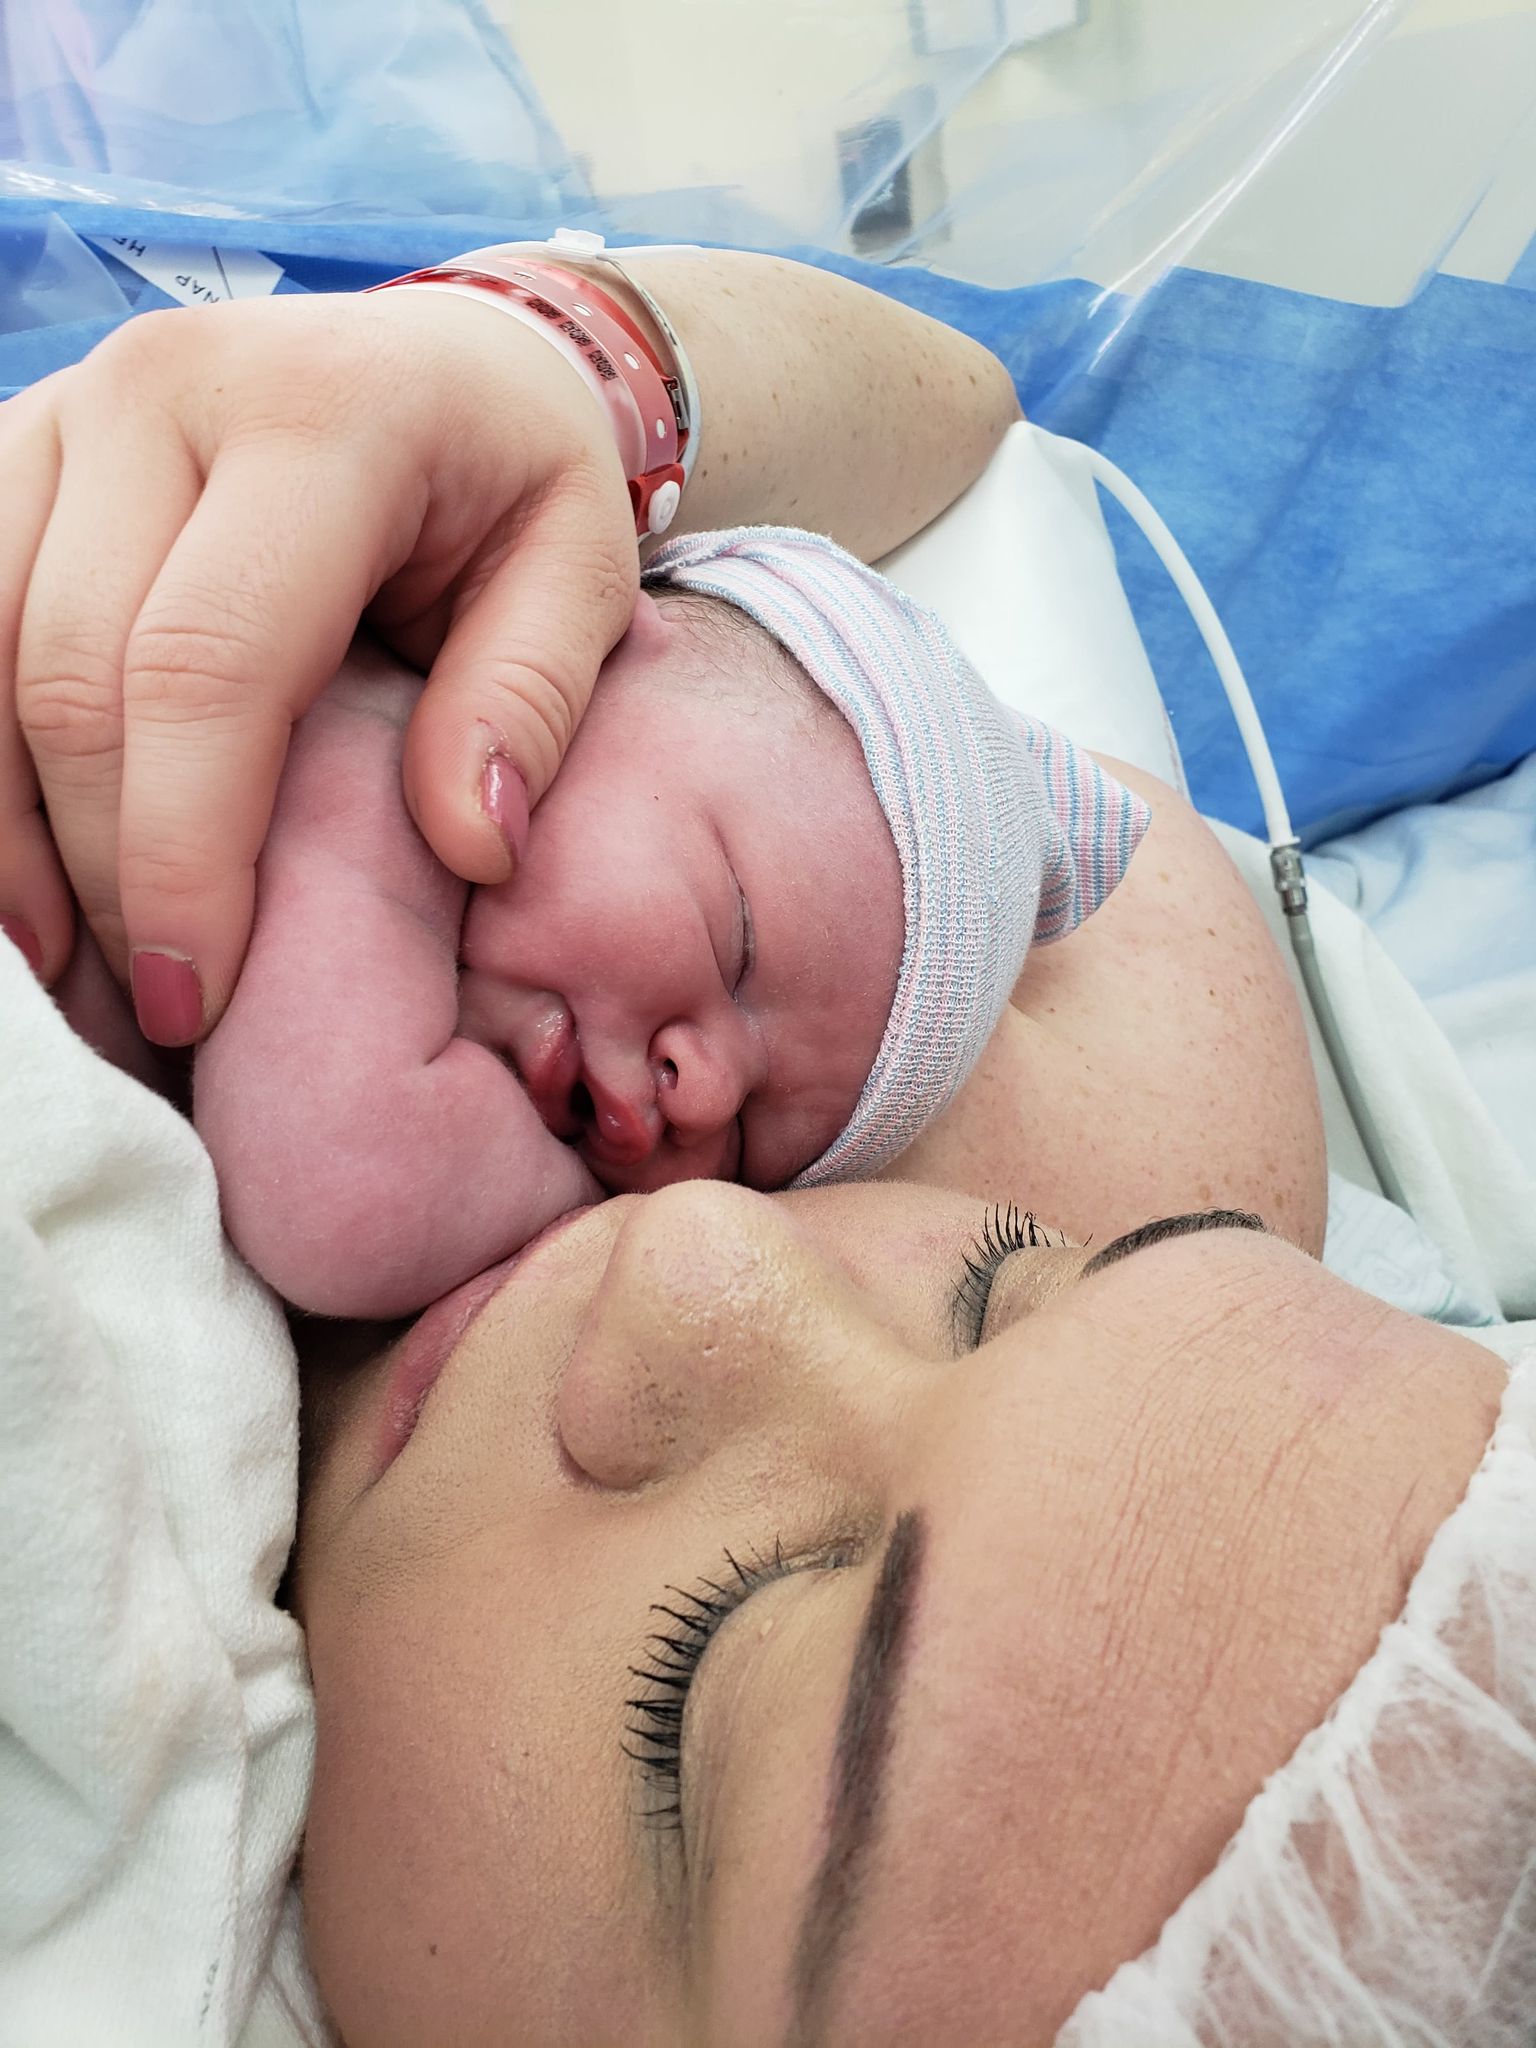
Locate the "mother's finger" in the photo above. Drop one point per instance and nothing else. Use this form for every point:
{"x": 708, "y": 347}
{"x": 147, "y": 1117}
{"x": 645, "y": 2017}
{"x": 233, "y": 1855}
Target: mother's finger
{"x": 246, "y": 623}
{"x": 125, "y": 490}
{"x": 516, "y": 670}
{"x": 35, "y": 907}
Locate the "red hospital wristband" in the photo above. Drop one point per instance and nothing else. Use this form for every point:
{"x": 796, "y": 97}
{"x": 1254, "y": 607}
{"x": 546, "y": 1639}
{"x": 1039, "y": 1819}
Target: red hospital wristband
{"x": 618, "y": 364}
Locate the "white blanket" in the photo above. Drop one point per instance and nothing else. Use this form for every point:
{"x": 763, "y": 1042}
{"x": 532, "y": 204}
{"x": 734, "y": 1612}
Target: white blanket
{"x": 155, "y": 1731}
{"x": 1450, "y": 891}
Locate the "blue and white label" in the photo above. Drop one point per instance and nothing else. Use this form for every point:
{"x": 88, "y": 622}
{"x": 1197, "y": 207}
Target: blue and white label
{"x": 194, "y": 273}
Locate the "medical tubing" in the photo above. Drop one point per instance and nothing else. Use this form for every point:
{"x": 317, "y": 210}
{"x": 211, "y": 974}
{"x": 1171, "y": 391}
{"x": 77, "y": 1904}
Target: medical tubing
{"x": 1285, "y": 861}
{"x": 1277, "y": 819}
{"x": 1291, "y": 887}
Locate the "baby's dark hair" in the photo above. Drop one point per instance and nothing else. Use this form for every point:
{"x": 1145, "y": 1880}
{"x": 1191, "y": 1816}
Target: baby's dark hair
{"x": 742, "y": 655}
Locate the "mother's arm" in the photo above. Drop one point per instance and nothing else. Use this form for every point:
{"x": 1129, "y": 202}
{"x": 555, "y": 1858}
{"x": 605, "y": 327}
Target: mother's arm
{"x": 233, "y": 486}
{"x": 827, "y": 405}
{"x": 1151, "y": 1063}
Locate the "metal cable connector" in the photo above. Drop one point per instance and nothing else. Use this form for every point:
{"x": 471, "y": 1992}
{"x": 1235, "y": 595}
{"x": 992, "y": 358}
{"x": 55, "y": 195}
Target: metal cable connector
{"x": 1290, "y": 878}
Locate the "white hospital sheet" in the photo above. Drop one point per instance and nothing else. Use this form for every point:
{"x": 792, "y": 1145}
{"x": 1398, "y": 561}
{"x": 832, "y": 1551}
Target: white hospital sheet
{"x": 1450, "y": 891}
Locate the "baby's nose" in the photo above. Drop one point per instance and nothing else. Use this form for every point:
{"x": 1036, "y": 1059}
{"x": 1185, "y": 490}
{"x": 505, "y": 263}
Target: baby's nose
{"x": 703, "y": 1074}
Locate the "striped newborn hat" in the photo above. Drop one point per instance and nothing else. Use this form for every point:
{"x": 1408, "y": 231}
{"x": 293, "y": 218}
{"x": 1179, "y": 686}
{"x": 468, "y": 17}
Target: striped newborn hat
{"x": 1006, "y": 833}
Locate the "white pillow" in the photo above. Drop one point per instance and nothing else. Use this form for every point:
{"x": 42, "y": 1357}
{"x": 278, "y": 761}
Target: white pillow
{"x": 1022, "y": 571}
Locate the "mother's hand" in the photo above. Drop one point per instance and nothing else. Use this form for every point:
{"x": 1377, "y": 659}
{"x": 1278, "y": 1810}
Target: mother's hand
{"x": 196, "y": 517}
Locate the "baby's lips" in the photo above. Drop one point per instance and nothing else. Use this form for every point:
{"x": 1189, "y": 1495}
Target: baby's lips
{"x": 717, "y": 1157}
{"x": 548, "y": 1059}
{"x": 621, "y": 1133}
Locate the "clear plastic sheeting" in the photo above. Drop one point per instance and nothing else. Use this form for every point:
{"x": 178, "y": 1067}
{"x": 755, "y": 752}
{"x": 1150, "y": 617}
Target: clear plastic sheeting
{"x": 726, "y": 120}
{"x": 265, "y": 107}
{"x": 49, "y": 276}
{"x": 1343, "y": 147}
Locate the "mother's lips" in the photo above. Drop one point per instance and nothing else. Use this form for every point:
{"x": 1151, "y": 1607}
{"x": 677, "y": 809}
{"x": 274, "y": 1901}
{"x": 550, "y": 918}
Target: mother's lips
{"x": 432, "y": 1339}
{"x": 423, "y": 1352}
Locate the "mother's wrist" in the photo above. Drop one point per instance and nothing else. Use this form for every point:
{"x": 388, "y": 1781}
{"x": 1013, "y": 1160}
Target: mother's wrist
{"x": 613, "y": 271}
{"x": 613, "y": 334}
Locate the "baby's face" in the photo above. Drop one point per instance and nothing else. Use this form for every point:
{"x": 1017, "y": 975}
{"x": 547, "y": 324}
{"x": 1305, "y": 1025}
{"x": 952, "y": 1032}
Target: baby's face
{"x": 692, "y": 970}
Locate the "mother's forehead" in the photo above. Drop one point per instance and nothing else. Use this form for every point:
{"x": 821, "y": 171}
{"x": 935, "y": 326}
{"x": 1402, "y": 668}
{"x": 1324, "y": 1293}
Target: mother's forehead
{"x": 1089, "y": 1695}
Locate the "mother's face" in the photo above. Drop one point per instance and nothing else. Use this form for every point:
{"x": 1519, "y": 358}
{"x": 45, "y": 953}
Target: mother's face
{"x": 767, "y": 1633}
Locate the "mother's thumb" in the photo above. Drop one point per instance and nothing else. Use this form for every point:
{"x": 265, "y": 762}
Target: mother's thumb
{"x": 511, "y": 682}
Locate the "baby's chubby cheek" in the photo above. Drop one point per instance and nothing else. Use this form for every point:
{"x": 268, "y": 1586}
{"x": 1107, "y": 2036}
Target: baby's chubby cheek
{"x": 503, "y": 998}
{"x": 505, "y": 1017}
{"x": 522, "y": 1020}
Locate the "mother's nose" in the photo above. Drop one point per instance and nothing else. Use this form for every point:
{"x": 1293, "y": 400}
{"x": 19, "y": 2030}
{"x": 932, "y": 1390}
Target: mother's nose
{"x": 712, "y": 1318}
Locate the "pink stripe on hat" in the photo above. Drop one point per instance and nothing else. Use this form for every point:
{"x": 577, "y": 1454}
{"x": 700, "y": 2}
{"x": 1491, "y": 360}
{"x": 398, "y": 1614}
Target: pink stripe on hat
{"x": 1006, "y": 832}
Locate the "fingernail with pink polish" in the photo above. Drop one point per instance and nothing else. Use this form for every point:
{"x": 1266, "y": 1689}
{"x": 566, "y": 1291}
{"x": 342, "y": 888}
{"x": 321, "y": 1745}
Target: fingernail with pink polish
{"x": 168, "y": 997}
{"x": 24, "y": 939}
{"x": 504, "y": 799}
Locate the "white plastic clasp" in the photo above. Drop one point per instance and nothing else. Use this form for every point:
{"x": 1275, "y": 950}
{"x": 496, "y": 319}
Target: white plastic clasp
{"x": 662, "y": 509}
{"x": 577, "y": 242}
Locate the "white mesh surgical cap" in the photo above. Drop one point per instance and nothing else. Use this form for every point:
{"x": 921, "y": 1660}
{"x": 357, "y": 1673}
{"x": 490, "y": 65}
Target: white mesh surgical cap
{"x": 1381, "y": 1890}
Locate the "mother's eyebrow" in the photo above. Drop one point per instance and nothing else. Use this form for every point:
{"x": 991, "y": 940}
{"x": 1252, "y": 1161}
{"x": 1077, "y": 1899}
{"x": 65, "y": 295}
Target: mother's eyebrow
{"x": 864, "y": 1737}
{"x": 1165, "y": 1227}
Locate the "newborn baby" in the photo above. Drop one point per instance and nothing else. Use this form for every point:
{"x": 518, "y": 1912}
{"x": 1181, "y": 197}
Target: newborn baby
{"x": 767, "y": 916}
